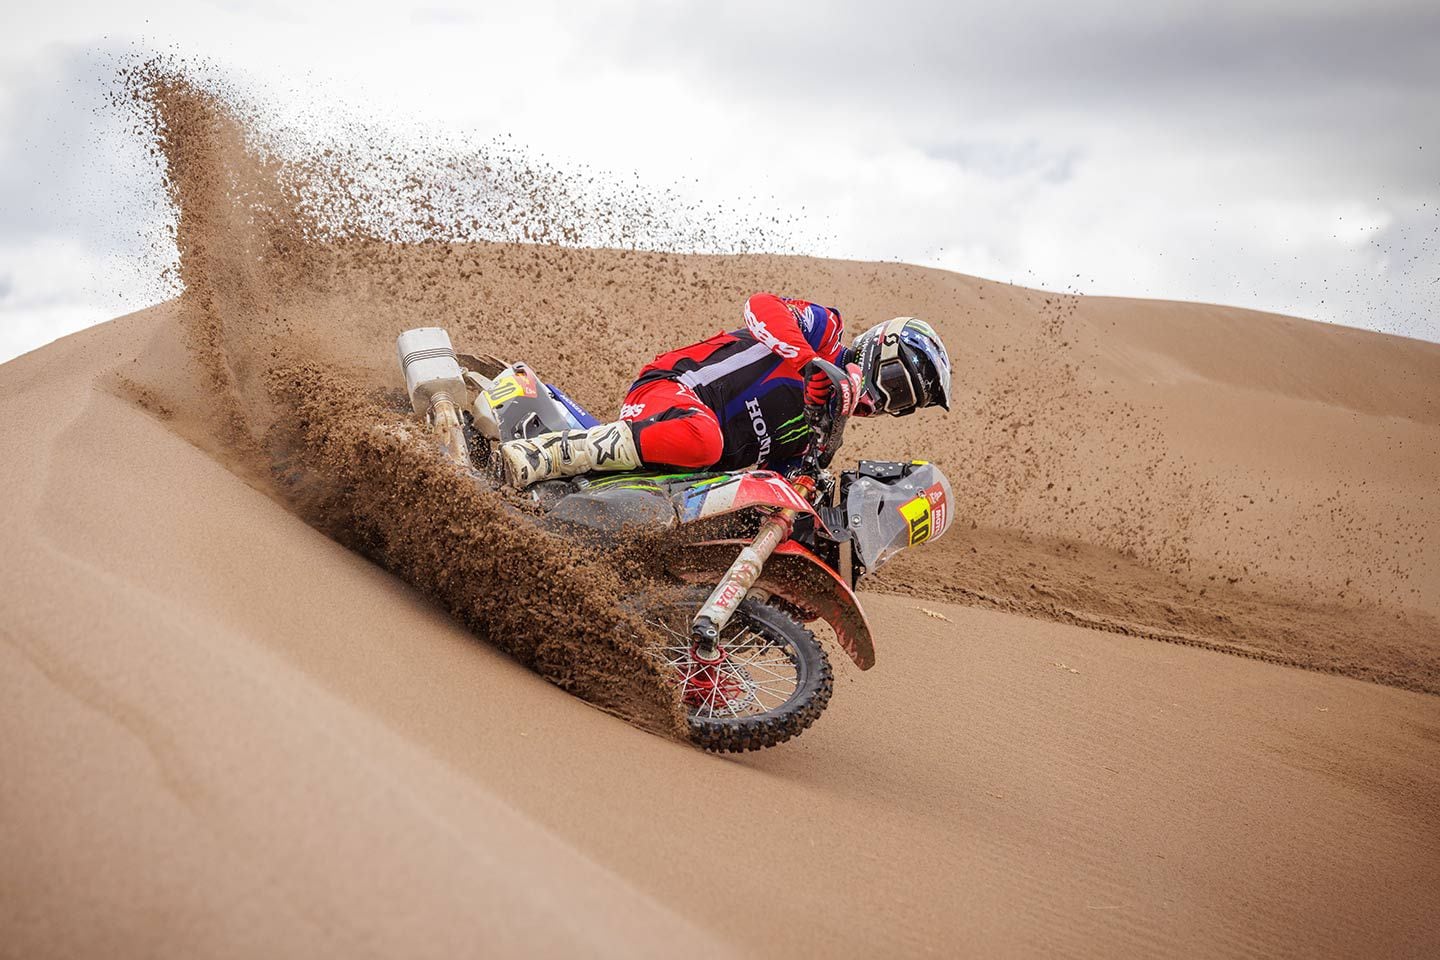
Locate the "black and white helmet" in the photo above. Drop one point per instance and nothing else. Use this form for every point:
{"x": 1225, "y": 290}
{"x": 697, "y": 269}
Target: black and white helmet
{"x": 903, "y": 366}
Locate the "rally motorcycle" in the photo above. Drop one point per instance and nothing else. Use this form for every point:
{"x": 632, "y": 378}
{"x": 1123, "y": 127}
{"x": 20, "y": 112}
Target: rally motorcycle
{"x": 751, "y": 675}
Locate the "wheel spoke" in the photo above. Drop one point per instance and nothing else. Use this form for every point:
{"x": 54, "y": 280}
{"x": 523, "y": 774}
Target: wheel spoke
{"x": 757, "y": 674}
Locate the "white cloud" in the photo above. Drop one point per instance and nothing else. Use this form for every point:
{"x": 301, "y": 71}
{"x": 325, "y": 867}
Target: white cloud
{"x": 30, "y": 327}
{"x": 1271, "y": 156}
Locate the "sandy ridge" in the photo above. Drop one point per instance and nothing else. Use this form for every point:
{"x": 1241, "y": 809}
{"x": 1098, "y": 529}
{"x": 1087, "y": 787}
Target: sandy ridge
{"x": 998, "y": 785}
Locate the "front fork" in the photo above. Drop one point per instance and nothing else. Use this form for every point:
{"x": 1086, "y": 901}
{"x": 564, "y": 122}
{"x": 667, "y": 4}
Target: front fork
{"x": 725, "y": 599}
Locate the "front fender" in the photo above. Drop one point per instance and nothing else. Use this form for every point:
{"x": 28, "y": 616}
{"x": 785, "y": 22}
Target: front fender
{"x": 798, "y": 577}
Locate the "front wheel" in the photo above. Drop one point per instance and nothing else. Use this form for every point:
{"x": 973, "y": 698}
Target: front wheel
{"x": 772, "y": 681}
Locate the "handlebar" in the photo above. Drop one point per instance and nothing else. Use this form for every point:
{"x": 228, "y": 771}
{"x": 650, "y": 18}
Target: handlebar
{"x": 826, "y": 426}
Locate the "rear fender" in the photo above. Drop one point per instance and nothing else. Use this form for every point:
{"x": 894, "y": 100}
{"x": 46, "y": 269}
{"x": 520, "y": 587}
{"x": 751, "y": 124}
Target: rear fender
{"x": 799, "y": 578}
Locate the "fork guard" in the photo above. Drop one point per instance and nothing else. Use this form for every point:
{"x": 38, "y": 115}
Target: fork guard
{"x": 798, "y": 577}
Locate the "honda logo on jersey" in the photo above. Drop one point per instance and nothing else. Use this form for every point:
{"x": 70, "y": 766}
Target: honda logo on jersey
{"x": 762, "y": 433}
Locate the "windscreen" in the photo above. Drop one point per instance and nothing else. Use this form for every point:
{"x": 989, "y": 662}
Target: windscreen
{"x": 888, "y": 515}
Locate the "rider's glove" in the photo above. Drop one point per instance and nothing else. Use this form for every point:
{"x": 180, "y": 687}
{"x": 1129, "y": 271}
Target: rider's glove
{"x": 818, "y": 389}
{"x": 821, "y": 387}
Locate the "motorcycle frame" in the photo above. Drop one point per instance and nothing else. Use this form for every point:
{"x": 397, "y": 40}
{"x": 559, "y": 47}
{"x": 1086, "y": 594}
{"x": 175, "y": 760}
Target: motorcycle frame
{"x": 750, "y": 571}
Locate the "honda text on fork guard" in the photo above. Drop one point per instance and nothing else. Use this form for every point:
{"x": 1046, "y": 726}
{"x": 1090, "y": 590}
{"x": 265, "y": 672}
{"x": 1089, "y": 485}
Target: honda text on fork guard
{"x": 749, "y": 672}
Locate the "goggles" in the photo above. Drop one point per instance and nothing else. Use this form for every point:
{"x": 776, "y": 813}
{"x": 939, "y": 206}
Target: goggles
{"x": 899, "y": 389}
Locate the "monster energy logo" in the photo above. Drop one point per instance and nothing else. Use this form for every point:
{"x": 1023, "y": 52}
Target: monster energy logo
{"x": 792, "y": 429}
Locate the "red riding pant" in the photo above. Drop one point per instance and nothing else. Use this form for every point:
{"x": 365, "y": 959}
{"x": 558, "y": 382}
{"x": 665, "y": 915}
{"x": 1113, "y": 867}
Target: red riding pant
{"x": 672, "y": 427}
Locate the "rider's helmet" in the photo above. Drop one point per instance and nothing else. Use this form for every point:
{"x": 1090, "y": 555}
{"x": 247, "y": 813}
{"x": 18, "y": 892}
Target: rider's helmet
{"x": 903, "y": 366}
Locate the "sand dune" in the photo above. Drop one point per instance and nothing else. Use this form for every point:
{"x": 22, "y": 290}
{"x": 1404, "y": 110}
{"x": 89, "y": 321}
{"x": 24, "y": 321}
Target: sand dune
{"x": 226, "y": 733}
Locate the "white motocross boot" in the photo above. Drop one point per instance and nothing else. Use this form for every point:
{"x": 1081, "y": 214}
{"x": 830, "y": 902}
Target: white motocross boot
{"x": 569, "y": 453}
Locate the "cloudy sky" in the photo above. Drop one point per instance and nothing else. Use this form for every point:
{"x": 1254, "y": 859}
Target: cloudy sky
{"x": 1282, "y": 155}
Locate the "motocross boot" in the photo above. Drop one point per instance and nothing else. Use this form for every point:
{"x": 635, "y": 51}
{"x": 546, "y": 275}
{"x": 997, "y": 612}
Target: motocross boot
{"x": 569, "y": 453}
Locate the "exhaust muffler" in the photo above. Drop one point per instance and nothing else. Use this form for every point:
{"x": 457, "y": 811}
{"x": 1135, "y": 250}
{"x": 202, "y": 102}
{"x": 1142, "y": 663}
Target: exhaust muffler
{"x": 436, "y": 385}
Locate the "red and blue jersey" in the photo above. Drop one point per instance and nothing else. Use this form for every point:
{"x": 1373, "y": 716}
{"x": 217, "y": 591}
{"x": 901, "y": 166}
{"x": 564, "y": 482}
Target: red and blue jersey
{"x": 752, "y": 379}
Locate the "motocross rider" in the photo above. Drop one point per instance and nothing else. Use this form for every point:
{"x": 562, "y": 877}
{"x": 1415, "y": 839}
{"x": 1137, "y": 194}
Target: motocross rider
{"x": 742, "y": 398}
